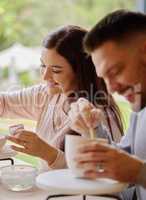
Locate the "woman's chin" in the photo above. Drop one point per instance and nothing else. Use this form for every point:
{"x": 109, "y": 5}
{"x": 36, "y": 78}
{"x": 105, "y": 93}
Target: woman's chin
{"x": 54, "y": 90}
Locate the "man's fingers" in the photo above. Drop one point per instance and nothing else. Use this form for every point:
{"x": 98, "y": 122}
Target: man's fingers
{"x": 94, "y": 147}
{"x": 91, "y": 116}
{"x": 77, "y": 123}
{"x": 77, "y": 120}
{"x": 92, "y": 157}
{"x": 84, "y": 104}
{"x": 93, "y": 174}
{"x": 79, "y": 129}
{"x": 97, "y": 117}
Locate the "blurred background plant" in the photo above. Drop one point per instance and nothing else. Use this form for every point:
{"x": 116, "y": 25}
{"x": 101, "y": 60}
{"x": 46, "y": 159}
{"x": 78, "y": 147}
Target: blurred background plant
{"x": 28, "y": 21}
{"x": 23, "y": 25}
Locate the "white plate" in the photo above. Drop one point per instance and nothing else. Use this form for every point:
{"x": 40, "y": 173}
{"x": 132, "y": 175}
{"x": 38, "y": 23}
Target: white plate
{"x": 63, "y": 182}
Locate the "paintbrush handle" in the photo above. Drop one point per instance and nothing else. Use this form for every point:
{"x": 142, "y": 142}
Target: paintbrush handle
{"x": 92, "y": 133}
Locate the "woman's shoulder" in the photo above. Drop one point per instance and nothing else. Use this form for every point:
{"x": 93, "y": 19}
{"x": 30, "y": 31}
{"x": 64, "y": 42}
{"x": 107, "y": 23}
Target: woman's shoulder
{"x": 38, "y": 90}
{"x": 43, "y": 91}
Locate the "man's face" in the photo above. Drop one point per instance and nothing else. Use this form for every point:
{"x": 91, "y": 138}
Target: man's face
{"x": 123, "y": 67}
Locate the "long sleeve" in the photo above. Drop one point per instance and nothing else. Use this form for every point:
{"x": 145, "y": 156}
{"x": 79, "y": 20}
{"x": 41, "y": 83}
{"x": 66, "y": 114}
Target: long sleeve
{"x": 59, "y": 163}
{"x": 26, "y": 103}
{"x": 127, "y": 141}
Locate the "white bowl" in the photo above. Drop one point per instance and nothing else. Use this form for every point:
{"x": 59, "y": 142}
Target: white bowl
{"x": 18, "y": 177}
{"x": 2, "y": 141}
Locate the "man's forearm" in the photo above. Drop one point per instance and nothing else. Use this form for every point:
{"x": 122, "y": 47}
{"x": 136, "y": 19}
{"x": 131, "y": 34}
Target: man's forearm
{"x": 142, "y": 176}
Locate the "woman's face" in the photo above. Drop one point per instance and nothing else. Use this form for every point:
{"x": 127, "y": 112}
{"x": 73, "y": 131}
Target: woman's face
{"x": 57, "y": 72}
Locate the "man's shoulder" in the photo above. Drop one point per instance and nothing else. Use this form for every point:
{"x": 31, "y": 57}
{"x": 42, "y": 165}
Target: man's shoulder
{"x": 142, "y": 113}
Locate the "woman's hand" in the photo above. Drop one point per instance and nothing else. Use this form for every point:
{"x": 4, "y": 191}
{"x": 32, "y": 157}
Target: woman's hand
{"x": 83, "y": 116}
{"x": 107, "y": 161}
{"x": 31, "y": 144}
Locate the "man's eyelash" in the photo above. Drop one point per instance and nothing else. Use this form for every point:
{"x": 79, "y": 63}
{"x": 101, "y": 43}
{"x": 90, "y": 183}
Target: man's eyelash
{"x": 43, "y": 65}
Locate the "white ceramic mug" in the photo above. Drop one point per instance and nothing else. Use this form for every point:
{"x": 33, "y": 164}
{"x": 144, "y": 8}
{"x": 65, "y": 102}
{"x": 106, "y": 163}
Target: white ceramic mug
{"x": 72, "y": 143}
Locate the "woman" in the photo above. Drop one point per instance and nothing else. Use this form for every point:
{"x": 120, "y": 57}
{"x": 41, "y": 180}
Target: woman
{"x": 66, "y": 69}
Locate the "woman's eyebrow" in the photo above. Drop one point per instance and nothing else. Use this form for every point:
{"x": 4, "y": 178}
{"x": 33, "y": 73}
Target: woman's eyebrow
{"x": 53, "y": 66}
{"x": 56, "y": 66}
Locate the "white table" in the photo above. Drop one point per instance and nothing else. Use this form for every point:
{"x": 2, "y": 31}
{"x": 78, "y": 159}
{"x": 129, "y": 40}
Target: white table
{"x": 63, "y": 182}
{"x": 36, "y": 193}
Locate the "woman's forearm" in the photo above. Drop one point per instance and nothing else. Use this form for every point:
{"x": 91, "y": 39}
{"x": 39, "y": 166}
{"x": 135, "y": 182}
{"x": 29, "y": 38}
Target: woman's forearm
{"x": 48, "y": 153}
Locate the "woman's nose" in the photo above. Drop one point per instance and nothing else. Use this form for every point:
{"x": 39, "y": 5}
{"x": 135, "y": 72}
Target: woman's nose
{"x": 47, "y": 74}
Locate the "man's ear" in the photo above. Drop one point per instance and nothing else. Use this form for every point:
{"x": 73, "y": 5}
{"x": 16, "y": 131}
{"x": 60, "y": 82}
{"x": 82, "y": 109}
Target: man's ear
{"x": 143, "y": 48}
{"x": 143, "y": 53}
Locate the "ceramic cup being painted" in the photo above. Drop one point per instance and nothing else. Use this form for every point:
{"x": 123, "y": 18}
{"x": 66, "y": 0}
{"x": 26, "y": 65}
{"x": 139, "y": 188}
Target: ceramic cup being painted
{"x": 72, "y": 143}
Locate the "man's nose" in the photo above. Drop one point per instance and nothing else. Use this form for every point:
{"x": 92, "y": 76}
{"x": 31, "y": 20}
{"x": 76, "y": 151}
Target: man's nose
{"x": 112, "y": 86}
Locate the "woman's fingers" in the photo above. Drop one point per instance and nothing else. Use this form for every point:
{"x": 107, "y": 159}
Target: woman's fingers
{"x": 23, "y": 138}
{"x": 25, "y": 135}
{"x": 19, "y": 149}
{"x": 17, "y": 140}
{"x": 29, "y": 143}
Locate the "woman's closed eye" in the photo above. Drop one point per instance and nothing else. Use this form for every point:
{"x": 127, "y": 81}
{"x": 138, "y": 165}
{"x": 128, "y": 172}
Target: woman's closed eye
{"x": 56, "y": 71}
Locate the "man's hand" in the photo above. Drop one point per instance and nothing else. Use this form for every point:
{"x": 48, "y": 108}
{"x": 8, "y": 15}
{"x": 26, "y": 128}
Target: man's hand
{"x": 83, "y": 116}
{"x": 115, "y": 163}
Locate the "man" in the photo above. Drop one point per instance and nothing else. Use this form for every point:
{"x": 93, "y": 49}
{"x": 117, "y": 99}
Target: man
{"x": 117, "y": 45}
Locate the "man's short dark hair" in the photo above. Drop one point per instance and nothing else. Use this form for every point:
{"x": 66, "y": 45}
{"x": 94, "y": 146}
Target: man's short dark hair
{"x": 116, "y": 26}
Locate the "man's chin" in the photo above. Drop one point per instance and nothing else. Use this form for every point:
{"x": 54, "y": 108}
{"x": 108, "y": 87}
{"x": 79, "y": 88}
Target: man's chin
{"x": 135, "y": 106}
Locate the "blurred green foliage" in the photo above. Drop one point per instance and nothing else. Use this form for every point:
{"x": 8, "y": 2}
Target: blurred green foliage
{"x": 27, "y": 21}
{"x": 25, "y": 78}
{"x": 5, "y": 73}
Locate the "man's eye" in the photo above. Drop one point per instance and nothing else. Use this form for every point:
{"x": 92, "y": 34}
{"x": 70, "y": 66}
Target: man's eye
{"x": 114, "y": 73}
